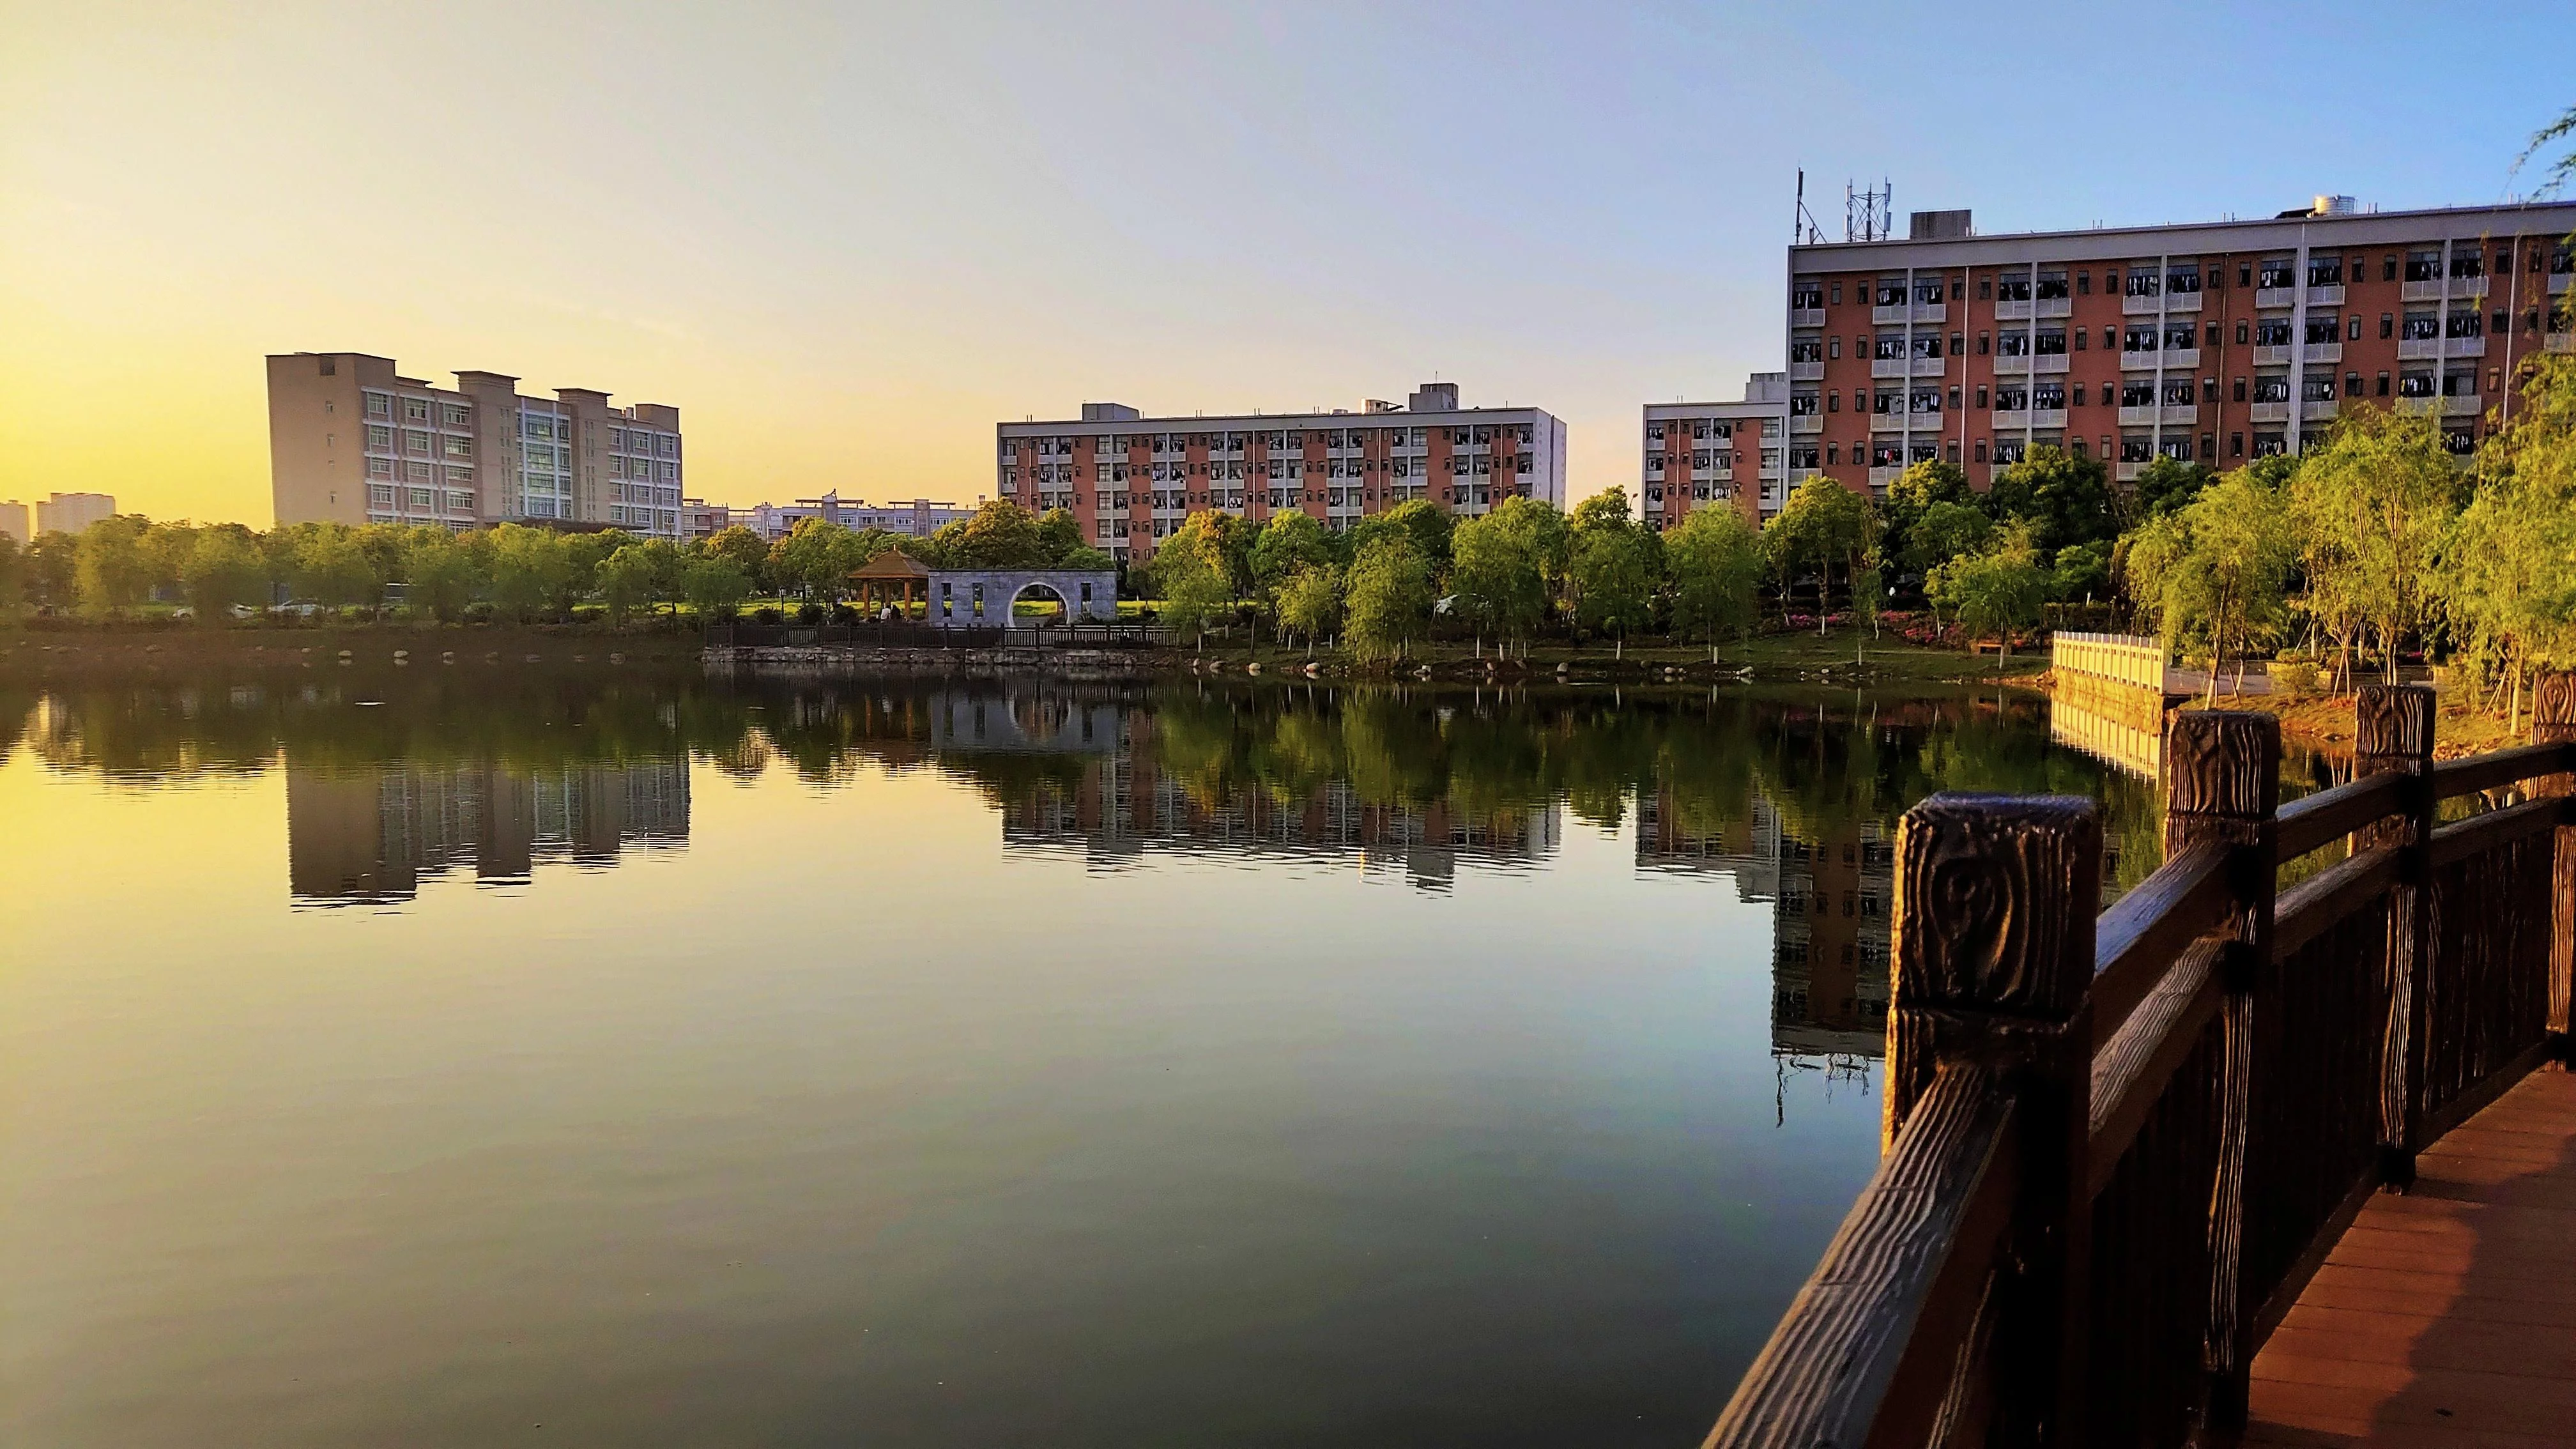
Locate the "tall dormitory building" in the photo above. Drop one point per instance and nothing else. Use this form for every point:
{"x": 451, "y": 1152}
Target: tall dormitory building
{"x": 1130, "y": 480}
{"x": 352, "y": 441}
{"x": 2217, "y": 342}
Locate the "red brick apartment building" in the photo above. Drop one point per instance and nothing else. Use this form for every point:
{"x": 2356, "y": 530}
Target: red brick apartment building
{"x": 1131, "y": 480}
{"x": 2216, "y": 341}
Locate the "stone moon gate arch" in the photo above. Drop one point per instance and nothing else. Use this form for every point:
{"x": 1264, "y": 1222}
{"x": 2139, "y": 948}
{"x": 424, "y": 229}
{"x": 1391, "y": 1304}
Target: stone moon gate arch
{"x": 973, "y": 598}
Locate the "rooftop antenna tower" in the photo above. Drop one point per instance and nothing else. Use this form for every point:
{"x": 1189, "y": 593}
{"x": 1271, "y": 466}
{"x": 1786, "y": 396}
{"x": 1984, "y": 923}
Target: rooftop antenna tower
{"x": 1869, "y": 215}
{"x": 1803, "y": 230}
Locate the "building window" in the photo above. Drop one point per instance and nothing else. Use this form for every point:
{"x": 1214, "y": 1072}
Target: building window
{"x": 379, "y": 405}
{"x": 2383, "y": 384}
{"x": 415, "y": 410}
{"x": 1985, "y": 290}
{"x": 380, "y": 467}
{"x": 1834, "y": 348}
{"x": 2084, "y": 284}
{"x": 1838, "y": 293}
{"x": 2352, "y": 384}
{"x": 2241, "y": 333}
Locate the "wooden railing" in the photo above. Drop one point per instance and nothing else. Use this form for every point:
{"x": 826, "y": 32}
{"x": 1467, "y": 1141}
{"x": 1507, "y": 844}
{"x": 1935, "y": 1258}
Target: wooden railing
{"x": 2116, "y": 1148}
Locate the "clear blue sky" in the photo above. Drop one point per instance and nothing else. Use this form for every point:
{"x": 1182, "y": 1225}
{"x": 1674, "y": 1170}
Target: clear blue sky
{"x": 848, "y": 241}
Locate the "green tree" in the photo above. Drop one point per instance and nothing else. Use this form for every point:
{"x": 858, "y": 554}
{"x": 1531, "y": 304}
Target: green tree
{"x": 1001, "y": 535}
{"x": 224, "y": 568}
{"x": 747, "y": 550}
{"x": 2371, "y": 508}
{"x": 530, "y": 569}
{"x": 331, "y": 569}
{"x": 625, "y": 580}
{"x": 53, "y": 570}
{"x": 715, "y": 585}
{"x": 2167, "y": 484}
{"x": 1824, "y": 526}
{"x": 2216, "y": 570}
{"x": 1943, "y": 531}
{"x": 1059, "y": 534}
{"x": 2080, "y": 572}
{"x": 446, "y": 573}
{"x": 2507, "y": 565}
{"x": 2065, "y": 499}
{"x": 1189, "y": 571}
{"x": 113, "y": 570}
{"x": 1916, "y": 491}
{"x": 1616, "y": 566}
{"x": 817, "y": 556}
{"x": 1715, "y": 559}
{"x": 582, "y": 554}
{"x": 1310, "y": 601}
{"x": 1293, "y": 540}
{"x": 1501, "y": 565}
{"x": 1388, "y": 598}
{"x": 1994, "y": 592}
{"x": 16, "y": 577}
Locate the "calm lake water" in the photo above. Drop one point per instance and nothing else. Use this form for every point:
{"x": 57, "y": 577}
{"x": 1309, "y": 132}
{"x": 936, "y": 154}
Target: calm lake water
{"x": 427, "y": 1057}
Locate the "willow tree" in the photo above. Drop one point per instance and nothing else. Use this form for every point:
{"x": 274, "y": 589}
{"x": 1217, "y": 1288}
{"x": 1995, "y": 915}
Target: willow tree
{"x": 1714, "y": 560}
{"x": 2371, "y": 508}
{"x": 2217, "y": 569}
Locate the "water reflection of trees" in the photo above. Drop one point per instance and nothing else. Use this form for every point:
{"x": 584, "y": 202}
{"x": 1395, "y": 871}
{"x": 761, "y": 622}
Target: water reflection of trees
{"x": 1427, "y": 777}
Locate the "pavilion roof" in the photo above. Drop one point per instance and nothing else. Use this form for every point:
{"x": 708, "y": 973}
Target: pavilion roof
{"x": 894, "y": 563}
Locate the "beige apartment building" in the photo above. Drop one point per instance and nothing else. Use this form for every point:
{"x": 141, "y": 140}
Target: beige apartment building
{"x": 353, "y": 441}
{"x": 66, "y": 513}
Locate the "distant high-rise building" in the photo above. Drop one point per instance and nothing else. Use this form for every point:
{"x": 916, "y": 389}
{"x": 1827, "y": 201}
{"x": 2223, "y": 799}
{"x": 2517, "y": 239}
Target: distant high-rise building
{"x": 73, "y": 512}
{"x": 13, "y": 521}
{"x": 920, "y": 518}
{"x": 352, "y": 441}
{"x": 1131, "y": 480}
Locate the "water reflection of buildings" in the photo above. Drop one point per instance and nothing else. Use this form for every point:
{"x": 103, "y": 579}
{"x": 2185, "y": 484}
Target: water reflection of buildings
{"x": 1829, "y": 890}
{"x": 370, "y": 835}
{"x": 1123, "y": 808}
{"x": 1115, "y": 803}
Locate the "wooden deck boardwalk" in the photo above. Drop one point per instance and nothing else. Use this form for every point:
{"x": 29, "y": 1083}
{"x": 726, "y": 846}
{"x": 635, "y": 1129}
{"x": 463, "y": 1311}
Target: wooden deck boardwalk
{"x": 2446, "y": 1316}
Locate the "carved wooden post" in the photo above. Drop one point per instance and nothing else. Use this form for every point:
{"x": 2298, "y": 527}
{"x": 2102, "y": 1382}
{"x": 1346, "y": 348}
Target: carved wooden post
{"x": 2393, "y": 735}
{"x": 2223, "y": 783}
{"x": 1992, "y": 962}
{"x": 2553, "y": 722}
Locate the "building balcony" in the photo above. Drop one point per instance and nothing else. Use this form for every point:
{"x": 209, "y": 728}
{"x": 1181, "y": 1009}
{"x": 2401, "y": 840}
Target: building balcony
{"x": 2020, "y": 363}
{"x": 2013, "y": 311}
{"x": 2180, "y": 415}
{"x": 1806, "y": 372}
{"x": 1903, "y": 313}
{"x": 2269, "y": 412}
{"x": 2011, "y": 420}
{"x": 1806, "y": 316}
{"x": 2048, "y": 417}
{"x": 1887, "y": 422}
{"x": 1879, "y": 478}
{"x": 1807, "y": 423}
{"x": 2560, "y": 282}
{"x": 2320, "y": 411}
{"x": 2418, "y": 349}
{"x": 1801, "y": 475}
{"x": 2326, "y": 296}
{"x": 2182, "y": 302}
{"x": 2325, "y": 352}
{"x": 2144, "y": 417}
{"x": 2276, "y": 297}
{"x": 2464, "y": 347}
{"x": 1907, "y": 366}
{"x": 2023, "y": 311}
{"x": 2456, "y": 288}
{"x": 2049, "y": 362}
{"x": 2559, "y": 342}
{"x": 2462, "y": 406}
{"x": 2272, "y": 355}
{"x": 2147, "y": 306}
{"x": 2465, "y": 406}
{"x": 2127, "y": 472}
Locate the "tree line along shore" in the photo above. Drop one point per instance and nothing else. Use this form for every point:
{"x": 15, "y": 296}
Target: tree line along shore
{"x": 2378, "y": 547}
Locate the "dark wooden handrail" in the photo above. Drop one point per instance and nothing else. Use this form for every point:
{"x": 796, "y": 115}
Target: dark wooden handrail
{"x": 2115, "y": 1148}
